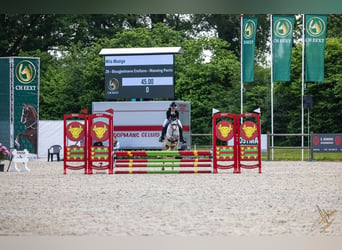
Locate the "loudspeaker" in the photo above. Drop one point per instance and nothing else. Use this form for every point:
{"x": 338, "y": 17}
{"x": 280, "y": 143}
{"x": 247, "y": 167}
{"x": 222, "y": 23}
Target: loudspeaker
{"x": 307, "y": 101}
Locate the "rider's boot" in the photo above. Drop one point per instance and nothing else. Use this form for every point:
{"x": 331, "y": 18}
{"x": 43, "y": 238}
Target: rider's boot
{"x": 181, "y": 135}
{"x": 163, "y": 134}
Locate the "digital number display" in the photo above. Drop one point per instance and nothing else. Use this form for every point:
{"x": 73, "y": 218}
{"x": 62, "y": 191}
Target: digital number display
{"x": 139, "y": 76}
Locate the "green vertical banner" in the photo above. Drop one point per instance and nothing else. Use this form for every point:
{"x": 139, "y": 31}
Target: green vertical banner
{"x": 315, "y": 32}
{"x": 282, "y": 35}
{"x": 26, "y": 77}
{"x": 248, "y": 31}
{"x": 5, "y": 102}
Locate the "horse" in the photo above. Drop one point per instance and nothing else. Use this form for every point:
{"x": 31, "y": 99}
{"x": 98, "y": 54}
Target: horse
{"x": 29, "y": 118}
{"x": 171, "y": 140}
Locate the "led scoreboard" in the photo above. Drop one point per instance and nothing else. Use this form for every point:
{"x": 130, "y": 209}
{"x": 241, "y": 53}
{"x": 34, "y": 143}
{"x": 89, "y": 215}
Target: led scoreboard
{"x": 139, "y": 76}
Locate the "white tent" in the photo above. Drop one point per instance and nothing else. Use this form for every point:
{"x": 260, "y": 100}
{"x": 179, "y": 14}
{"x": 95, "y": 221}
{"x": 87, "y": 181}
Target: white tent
{"x": 49, "y": 133}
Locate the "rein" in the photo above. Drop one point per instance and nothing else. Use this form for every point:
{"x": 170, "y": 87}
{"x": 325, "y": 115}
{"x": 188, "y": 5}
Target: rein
{"x": 27, "y": 117}
{"x": 31, "y": 125}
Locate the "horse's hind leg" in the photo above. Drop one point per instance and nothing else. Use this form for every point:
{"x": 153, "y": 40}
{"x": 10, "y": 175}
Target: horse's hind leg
{"x": 27, "y": 137}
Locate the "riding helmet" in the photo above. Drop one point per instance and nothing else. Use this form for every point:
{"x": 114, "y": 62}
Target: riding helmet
{"x": 173, "y": 104}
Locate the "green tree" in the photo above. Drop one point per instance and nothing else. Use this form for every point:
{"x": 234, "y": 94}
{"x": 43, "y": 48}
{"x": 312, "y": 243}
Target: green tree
{"x": 257, "y": 95}
{"x": 327, "y": 96}
{"x": 334, "y": 28}
{"x": 75, "y": 79}
{"x": 207, "y": 84}
{"x": 29, "y": 32}
{"x": 228, "y": 28}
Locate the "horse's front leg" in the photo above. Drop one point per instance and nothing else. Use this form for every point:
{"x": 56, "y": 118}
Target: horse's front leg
{"x": 17, "y": 140}
{"x": 27, "y": 137}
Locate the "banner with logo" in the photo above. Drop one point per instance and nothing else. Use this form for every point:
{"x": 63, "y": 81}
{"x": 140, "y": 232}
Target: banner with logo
{"x": 282, "y": 35}
{"x": 315, "y": 32}
{"x": 327, "y": 142}
{"x": 26, "y": 72}
{"x": 248, "y": 31}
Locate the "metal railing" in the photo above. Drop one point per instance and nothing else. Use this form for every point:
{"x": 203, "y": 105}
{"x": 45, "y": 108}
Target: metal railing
{"x": 270, "y": 149}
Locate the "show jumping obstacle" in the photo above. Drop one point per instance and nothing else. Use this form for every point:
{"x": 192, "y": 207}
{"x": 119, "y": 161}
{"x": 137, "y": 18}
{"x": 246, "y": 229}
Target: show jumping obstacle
{"x": 75, "y": 142}
{"x": 236, "y": 145}
{"x": 236, "y": 141}
{"x": 146, "y": 162}
{"x": 88, "y": 142}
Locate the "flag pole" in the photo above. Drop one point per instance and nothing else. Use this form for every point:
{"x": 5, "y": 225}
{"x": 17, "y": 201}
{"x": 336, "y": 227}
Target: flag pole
{"x": 241, "y": 63}
{"x": 303, "y": 80}
{"x": 272, "y": 85}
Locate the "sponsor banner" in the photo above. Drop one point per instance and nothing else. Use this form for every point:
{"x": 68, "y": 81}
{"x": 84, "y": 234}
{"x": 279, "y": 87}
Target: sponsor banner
{"x": 138, "y": 139}
{"x": 327, "y": 142}
{"x": 315, "y": 32}
{"x": 282, "y": 34}
{"x": 25, "y": 101}
{"x": 249, "y": 27}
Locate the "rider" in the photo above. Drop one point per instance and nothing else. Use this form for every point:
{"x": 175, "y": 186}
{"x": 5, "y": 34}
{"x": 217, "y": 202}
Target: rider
{"x": 172, "y": 113}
